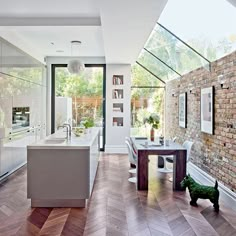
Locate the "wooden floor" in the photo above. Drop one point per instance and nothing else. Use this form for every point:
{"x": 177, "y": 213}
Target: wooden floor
{"x": 115, "y": 208}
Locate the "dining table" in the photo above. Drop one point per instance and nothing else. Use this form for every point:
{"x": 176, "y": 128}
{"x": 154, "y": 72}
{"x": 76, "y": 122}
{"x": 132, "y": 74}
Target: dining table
{"x": 144, "y": 148}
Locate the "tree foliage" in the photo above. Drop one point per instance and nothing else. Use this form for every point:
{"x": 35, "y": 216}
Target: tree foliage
{"x": 86, "y": 84}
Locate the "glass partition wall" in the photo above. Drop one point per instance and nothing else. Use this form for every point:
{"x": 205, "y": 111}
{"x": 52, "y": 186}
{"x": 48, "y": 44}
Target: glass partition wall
{"x": 79, "y": 98}
{"x": 147, "y": 97}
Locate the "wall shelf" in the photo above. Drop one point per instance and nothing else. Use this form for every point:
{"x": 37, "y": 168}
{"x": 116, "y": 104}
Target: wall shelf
{"x": 118, "y": 80}
{"x": 118, "y": 121}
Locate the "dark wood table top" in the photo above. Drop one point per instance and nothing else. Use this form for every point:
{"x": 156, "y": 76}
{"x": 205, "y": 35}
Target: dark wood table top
{"x": 139, "y": 144}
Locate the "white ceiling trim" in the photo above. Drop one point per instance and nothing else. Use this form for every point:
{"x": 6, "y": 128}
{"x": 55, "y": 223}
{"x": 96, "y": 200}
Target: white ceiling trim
{"x": 50, "y": 21}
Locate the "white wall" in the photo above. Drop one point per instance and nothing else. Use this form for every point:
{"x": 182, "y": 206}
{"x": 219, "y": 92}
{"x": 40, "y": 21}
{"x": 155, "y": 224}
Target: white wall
{"x": 63, "y": 60}
{"x": 115, "y": 135}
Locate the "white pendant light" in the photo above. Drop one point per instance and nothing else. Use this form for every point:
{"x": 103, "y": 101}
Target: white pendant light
{"x": 75, "y": 66}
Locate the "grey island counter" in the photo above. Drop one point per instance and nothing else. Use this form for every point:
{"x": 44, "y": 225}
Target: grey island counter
{"x": 60, "y": 171}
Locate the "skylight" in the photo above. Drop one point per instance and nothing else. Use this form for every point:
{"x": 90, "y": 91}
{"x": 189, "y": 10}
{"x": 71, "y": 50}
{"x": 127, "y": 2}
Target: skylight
{"x": 208, "y": 26}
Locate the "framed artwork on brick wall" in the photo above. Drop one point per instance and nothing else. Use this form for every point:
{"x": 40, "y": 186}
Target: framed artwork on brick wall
{"x": 183, "y": 110}
{"x": 207, "y": 110}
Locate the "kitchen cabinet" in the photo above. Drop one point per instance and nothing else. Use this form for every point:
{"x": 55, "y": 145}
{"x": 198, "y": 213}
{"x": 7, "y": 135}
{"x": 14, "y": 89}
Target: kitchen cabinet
{"x": 5, "y": 157}
{"x": 22, "y": 87}
{"x": 17, "y": 63}
{"x": 69, "y": 183}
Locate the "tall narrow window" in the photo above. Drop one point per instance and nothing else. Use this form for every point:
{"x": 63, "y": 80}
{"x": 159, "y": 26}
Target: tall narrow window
{"x": 79, "y": 98}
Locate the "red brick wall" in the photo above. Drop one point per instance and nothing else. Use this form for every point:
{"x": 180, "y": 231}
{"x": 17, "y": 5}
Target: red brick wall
{"x": 215, "y": 154}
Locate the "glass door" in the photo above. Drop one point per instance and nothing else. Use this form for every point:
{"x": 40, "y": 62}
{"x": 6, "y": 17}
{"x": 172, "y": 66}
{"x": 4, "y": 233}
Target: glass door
{"x": 79, "y": 98}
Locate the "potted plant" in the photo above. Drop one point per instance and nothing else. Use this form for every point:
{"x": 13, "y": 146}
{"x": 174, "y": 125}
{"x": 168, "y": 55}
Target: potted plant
{"x": 154, "y": 121}
{"x": 87, "y": 123}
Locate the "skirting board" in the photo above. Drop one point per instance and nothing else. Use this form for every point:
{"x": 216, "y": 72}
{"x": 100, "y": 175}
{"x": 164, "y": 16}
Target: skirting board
{"x": 58, "y": 203}
{"x": 228, "y": 196}
{"x": 116, "y": 149}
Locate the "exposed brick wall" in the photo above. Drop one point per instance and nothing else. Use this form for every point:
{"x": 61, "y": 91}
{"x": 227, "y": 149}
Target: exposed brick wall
{"x": 215, "y": 154}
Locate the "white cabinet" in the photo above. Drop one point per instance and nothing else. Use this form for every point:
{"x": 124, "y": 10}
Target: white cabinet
{"x": 5, "y": 157}
{"x": 6, "y": 112}
{"x": 94, "y": 157}
{"x": 13, "y": 151}
{"x": 62, "y": 175}
{"x": 22, "y": 85}
{"x": 16, "y": 63}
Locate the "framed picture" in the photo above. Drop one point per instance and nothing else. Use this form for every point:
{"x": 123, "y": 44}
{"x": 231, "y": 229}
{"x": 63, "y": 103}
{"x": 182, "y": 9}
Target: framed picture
{"x": 207, "y": 110}
{"x": 183, "y": 110}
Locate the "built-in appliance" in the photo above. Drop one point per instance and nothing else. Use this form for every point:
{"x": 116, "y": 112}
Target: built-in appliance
{"x": 20, "y": 117}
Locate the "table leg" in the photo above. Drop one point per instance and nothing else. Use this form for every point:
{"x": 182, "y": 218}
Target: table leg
{"x": 179, "y": 169}
{"x": 142, "y": 170}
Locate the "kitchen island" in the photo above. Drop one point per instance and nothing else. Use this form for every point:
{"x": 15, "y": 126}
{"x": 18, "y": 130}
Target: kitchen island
{"x": 61, "y": 171}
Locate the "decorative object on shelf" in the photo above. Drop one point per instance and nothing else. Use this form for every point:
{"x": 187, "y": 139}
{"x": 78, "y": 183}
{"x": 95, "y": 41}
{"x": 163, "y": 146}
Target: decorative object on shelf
{"x": 118, "y": 94}
{"x": 118, "y": 107}
{"x": 117, "y": 121}
{"x": 207, "y": 110}
{"x": 75, "y": 66}
{"x": 154, "y": 121}
{"x": 201, "y": 191}
{"x": 118, "y": 80}
{"x": 183, "y": 110}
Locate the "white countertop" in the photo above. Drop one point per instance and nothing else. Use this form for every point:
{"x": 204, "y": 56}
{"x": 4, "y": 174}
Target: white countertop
{"x": 85, "y": 141}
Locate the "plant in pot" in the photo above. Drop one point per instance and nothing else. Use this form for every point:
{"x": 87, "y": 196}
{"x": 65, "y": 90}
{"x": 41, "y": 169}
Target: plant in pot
{"x": 154, "y": 121}
{"x": 88, "y": 123}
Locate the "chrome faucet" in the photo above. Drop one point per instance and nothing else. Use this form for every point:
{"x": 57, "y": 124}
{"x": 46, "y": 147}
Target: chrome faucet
{"x": 68, "y": 129}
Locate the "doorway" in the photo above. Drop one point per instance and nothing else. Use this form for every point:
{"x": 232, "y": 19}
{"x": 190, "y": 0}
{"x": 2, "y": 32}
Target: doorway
{"x": 78, "y": 98}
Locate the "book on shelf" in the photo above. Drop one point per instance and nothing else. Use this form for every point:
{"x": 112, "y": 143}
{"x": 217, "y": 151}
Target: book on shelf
{"x": 117, "y": 80}
{"x": 116, "y": 109}
{"x": 115, "y": 94}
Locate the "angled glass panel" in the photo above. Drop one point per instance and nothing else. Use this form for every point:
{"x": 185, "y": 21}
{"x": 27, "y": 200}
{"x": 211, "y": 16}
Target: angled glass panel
{"x": 142, "y": 78}
{"x": 208, "y": 26}
{"x": 155, "y": 66}
{"x": 173, "y": 52}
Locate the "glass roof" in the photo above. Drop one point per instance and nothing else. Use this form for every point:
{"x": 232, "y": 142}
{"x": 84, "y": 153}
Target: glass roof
{"x": 151, "y": 63}
{"x": 142, "y": 78}
{"x": 190, "y": 34}
{"x": 174, "y": 52}
{"x": 207, "y": 26}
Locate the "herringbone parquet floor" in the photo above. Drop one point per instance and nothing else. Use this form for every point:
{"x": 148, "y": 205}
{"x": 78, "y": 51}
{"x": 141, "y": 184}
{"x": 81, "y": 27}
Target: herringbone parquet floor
{"x": 115, "y": 208}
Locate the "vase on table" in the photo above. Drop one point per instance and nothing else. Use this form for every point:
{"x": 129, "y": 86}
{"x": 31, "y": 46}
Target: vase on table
{"x": 152, "y": 134}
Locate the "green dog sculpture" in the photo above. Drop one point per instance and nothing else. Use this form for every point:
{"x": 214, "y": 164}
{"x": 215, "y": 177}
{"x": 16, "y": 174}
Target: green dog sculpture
{"x": 200, "y": 191}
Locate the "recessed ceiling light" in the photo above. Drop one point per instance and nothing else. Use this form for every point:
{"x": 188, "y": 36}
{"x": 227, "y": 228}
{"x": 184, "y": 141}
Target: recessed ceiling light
{"x": 59, "y": 51}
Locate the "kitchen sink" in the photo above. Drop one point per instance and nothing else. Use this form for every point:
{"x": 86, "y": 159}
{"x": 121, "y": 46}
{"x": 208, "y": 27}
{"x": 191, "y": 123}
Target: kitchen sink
{"x": 54, "y": 141}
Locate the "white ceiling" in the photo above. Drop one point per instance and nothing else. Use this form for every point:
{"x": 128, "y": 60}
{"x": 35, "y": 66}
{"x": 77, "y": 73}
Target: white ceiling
{"x": 49, "y": 8}
{"x": 114, "y": 29}
{"x": 49, "y": 39}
